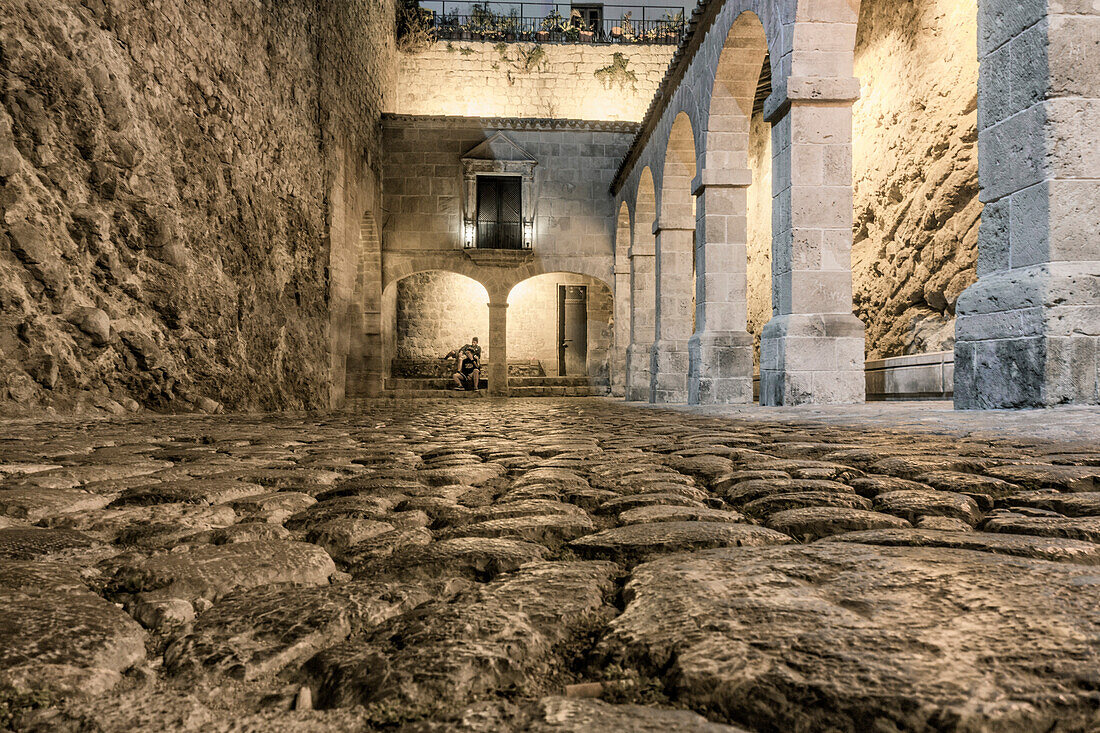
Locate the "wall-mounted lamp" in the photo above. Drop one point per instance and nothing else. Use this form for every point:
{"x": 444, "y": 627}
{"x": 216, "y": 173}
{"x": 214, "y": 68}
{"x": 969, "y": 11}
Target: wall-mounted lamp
{"x": 469, "y": 230}
{"x": 528, "y": 233}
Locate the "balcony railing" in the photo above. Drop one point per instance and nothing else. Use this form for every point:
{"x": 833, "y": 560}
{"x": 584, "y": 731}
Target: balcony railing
{"x": 552, "y": 23}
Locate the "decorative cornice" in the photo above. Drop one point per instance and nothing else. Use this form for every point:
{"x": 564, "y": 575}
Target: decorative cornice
{"x": 512, "y": 123}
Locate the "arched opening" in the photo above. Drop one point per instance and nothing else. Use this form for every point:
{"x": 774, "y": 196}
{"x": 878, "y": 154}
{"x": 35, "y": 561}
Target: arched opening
{"x": 643, "y": 290}
{"x": 559, "y": 325}
{"x": 621, "y": 319}
{"x": 356, "y": 293}
{"x": 914, "y": 172}
{"x": 734, "y": 296}
{"x": 426, "y": 315}
{"x": 675, "y": 271}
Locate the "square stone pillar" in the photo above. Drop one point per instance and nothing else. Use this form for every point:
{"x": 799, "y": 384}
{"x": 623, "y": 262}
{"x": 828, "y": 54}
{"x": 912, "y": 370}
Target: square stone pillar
{"x": 643, "y": 304}
{"x": 720, "y": 350}
{"x": 622, "y": 329}
{"x": 668, "y": 364}
{"x": 498, "y": 349}
{"x": 812, "y": 349}
{"x": 1028, "y": 331}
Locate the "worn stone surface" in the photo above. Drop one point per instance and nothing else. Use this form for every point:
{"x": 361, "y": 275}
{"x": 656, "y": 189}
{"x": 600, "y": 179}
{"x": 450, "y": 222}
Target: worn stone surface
{"x": 849, "y": 613}
{"x": 211, "y": 572}
{"x": 354, "y": 584}
{"x": 810, "y": 523}
{"x": 636, "y": 541}
{"x": 165, "y": 199}
{"x": 1038, "y": 548}
{"x": 56, "y": 635}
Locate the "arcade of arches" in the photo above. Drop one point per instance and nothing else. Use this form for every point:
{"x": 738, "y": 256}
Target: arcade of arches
{"x": 815, "y": 185}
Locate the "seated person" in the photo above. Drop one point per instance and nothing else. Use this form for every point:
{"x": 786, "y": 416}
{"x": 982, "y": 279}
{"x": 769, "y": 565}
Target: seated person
{"x": 468, "y": 369}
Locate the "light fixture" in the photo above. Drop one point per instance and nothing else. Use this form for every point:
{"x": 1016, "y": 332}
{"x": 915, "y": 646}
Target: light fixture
{"x": 468, "y": 231}
{"x": 528, "y": 233}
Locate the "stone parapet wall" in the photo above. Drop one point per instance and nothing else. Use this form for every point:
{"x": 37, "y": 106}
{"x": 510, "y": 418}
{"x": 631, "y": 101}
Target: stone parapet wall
{"x": 915, "y": 171}
{"x": 559, "y": 81}
{"x": 167, "y": 176}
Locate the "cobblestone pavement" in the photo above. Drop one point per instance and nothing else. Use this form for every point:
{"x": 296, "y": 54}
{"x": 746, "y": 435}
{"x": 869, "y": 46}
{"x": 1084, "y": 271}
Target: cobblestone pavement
{"x": 543, "y": 565}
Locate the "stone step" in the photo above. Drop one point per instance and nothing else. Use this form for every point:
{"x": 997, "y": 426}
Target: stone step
{"x": 557, "y": 381}
{"x": 425, "y": 383}
{"x": 552, "y": 391}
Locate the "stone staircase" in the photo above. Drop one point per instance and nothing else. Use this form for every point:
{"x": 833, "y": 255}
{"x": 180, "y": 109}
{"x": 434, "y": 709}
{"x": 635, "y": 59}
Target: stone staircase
{"x": 518, "y": 387}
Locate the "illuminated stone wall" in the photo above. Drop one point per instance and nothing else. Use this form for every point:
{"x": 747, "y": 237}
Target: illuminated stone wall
{"x": 437, "y": 312}
{"x": 533, "y": 322}
{"x": 915, "y": 171}
{"x": 481, "y": 79}
{"x": 574, "y": 221}
{"x": 760, "y": 230}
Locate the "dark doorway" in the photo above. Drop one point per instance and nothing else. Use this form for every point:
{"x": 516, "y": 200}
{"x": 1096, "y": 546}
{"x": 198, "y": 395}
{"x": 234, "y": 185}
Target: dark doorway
{"x": 499, "y": 221}
{"x": 572, "y": 330}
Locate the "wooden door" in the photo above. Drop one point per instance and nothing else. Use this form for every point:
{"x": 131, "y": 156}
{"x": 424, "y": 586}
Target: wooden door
{"x": 572, "y": 330}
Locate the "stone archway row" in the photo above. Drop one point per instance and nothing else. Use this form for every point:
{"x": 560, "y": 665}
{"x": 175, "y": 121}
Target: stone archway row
{"x": 1028, "y": 332}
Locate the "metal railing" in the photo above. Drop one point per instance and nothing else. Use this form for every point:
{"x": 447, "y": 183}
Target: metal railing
{"x": 552, "y": 22}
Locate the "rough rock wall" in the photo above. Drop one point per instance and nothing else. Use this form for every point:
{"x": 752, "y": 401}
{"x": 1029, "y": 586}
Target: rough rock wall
{"x": 164, "y": 182}
{"x": 759, "y": 230}
{"x": 915, "y": 171}
{"x": 558, "y": 81}
{"x": 440, "y": 311}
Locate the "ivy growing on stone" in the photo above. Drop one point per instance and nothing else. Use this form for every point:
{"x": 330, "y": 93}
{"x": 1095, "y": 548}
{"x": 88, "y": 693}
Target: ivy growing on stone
{"x": 616, "y": 72}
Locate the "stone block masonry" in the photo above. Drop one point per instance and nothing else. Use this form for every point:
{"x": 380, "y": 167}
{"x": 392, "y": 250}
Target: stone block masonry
{"x": 173, "y": 180}
{"x": 481, "y": 79}
{"x": 1028, "y": 333}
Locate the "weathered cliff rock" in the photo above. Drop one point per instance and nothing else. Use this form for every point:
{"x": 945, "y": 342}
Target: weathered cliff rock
{"x": 164, "y": 171}
{"x": 915, "y": 169}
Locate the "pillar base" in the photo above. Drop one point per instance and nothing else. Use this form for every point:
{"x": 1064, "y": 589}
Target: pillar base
{"x": 668, "y": 366}
{"x": 637, "y": 373}
{"x": 812, "y": 359}
{"x": 1029, "y": 337}
{"x": 720, "y": 368}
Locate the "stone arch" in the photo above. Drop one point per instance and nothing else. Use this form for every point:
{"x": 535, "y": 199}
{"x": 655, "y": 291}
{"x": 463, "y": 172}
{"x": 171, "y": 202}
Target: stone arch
{"x": 622, "y": 296}
{"x": 534, "y": 330}
{"x": 449, "y": 308}
{"x": 675, "y": 233}
{"x": 720, "y": 351}
{"x": 643, "y": 289}
{"x": 810, "y": 45}
{"x": 359, "y": 334}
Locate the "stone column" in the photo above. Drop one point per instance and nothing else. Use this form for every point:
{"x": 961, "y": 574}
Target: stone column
{"x": 642, "y": 305}
{"x": 622, "y": 328}
{"x": 720, "y": 350}
{"x": 498, "y": 349}
{"x": 812, "y": 349}
{"x": 668, "y": 364}
{"x": 1028, "y": 331}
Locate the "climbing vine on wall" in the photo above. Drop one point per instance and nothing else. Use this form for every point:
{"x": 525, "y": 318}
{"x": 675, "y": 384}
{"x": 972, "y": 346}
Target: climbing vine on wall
{"x": 526, "y": 61}
{"x": 616, "y": 72}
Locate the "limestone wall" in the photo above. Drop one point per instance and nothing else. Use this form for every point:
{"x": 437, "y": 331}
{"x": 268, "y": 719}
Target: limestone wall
{"x": 574, "y": 217}
{"x": 166, "y": 175}
{"x": 533, "y": 322}
{"x": 915, "y": 171}
{"x": 437, "y": 312}
{"x": 482, "y": 79}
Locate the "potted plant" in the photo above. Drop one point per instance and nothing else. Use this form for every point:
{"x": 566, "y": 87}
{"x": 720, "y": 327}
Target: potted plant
{"x": 551, "y": 23}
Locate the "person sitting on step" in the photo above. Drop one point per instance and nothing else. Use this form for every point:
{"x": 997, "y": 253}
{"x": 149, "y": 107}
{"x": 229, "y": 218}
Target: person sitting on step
{"x": 467, "y": 375}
